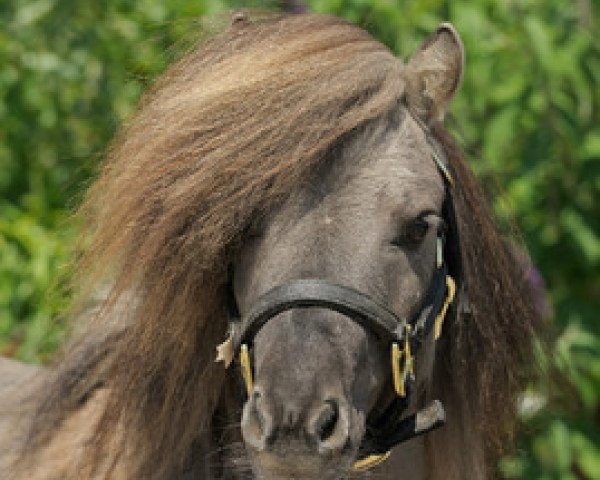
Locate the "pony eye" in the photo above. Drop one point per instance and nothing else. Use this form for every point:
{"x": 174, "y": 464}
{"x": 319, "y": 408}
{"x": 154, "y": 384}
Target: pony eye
{"x": 413, "y": 233}
{"x": 416, "y": 231}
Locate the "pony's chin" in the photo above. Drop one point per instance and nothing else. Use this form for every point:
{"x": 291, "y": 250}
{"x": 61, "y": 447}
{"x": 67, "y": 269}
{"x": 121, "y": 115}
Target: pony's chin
{"x": 272, "y": 466}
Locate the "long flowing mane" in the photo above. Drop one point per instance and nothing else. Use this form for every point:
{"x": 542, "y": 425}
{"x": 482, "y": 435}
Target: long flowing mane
{"x": 220, "y": 140}
{"x": 485, "y": 355}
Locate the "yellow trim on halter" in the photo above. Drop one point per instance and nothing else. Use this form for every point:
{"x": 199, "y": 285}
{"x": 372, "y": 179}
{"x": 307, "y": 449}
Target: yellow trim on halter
{"x": 246, "y": 368}
{"x": 402, "y": 364}
{"x": 370, "y": 461}
{"x": 396, "y": 374}
{"x": 439, "y": 320}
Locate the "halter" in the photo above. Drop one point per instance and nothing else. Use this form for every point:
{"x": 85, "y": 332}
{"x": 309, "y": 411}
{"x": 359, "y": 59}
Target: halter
{"x": 402, "y": 336}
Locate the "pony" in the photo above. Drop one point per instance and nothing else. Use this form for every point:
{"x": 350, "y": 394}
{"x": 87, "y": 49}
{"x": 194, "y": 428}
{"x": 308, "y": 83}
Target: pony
{"x": 289, "y": 157}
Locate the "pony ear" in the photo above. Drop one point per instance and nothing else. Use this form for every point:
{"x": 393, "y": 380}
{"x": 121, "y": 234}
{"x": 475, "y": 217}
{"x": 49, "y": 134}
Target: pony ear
{"x": 434, "y": 73}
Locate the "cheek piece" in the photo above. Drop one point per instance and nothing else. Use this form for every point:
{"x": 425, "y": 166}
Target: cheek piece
{"x": 402, "y": 336}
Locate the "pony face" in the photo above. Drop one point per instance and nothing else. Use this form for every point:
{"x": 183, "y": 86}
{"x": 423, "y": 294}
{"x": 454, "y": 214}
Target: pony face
{"x": 369, "y": 221}
{"x": 370, "y": 218}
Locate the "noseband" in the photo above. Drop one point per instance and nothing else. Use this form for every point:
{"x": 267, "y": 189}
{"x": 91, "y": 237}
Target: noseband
{"x": 402, "y": 336}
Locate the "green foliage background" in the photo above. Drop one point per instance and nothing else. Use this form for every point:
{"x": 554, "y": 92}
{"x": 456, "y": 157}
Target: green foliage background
{"x": 528, "y": 117}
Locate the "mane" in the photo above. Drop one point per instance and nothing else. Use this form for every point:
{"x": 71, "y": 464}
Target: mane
{"x": 221, "y": 139}
{"x": 485, "y": 354}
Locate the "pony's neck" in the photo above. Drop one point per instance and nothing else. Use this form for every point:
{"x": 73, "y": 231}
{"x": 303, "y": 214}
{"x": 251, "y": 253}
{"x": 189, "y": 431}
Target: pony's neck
{"x": 456, "y": 451}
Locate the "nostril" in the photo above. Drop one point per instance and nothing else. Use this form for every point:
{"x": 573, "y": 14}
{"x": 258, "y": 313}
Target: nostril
{"x": 327, "y": 420}
{"x": 257, "y": 423}
{"x": 330, "y": 427}
{"x": 256, "y": 401}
